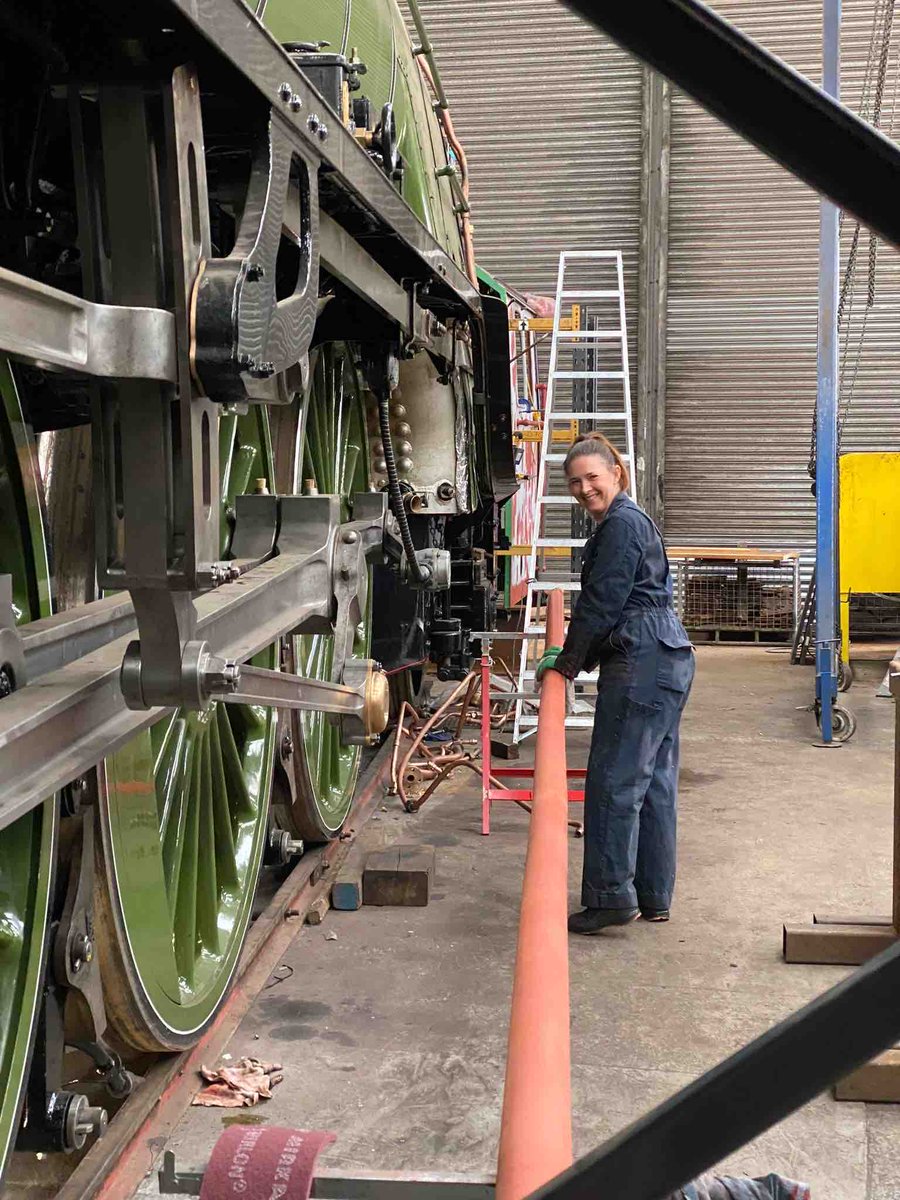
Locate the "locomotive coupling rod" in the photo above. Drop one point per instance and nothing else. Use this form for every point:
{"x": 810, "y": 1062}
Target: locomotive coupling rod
{"x": 48, "y": 327}
{"x": 363, "y": 708}
{"x": 61, "y": 724}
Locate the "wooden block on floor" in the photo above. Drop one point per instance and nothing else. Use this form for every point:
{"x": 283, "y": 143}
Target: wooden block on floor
{"x": 876, "y": 1082}
{"x": 847, "y": 945}
{"x": 401, "y": 875}
{"x": 502, "y": 747}
{"x": 347, "y": 889}
{"x": 315, "y": 914}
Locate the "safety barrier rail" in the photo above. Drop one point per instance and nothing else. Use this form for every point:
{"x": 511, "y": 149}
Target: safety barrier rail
{"x": 536, "y": 1126}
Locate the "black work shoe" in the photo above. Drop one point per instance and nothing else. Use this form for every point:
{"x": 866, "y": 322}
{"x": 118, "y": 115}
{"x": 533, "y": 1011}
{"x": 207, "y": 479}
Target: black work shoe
{"x": 592, "y": 920}
{"x": 655, "y": 914}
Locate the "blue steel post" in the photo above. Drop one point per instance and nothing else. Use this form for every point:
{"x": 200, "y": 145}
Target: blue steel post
{"x": 826, "y": 409}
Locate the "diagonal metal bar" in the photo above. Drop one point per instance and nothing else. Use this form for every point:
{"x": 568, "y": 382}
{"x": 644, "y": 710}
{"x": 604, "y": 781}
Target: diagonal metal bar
{"x": 746, "y": 1094}
{"x": 764, "y": 100}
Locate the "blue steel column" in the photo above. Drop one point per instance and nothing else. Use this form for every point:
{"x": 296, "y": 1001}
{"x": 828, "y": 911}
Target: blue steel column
{"x": 826, "y": 408}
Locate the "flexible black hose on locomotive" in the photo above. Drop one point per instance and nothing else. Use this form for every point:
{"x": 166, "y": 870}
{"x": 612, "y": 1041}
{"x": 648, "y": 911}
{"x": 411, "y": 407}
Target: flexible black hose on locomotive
{"x": 394, "y": 494}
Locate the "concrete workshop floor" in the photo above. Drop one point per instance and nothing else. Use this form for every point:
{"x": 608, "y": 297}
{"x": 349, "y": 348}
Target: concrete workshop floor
{"x": 394, "y": 1034}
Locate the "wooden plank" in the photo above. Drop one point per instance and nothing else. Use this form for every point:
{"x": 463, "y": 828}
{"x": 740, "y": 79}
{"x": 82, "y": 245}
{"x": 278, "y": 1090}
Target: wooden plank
{"x": 504, "y": 747}
{"x": 876, "y": 1082}
{"x": 399, "y": 876}
{"x": 838, "y": 945}
{"x": 736, "y": 553}
{"x": 315, "y": 914}
{"x": 347, "y": 889}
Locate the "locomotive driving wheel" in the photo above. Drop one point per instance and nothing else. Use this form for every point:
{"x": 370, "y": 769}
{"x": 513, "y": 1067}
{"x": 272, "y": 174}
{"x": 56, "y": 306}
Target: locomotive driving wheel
{"x": 27, "y": 847}
{"x": 184, "y": 811}
{"x": 332, "y": 459}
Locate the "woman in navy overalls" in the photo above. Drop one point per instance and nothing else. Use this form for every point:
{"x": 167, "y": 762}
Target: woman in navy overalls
{"x": 624, "y": 623}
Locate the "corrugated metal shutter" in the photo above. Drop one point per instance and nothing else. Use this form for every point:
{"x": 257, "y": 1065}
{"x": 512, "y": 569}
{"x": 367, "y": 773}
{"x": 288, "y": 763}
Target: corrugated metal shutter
{"x": 741, "y": 367}
{"x": 549, "y": 113}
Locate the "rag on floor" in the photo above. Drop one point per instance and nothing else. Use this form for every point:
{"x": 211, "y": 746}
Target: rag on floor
{"x": 771, "y": 1187}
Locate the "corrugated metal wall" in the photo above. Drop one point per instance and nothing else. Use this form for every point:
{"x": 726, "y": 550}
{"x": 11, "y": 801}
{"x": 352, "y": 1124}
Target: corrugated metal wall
{"x": 741, "y": 364}
{"x": 550, "y": 114}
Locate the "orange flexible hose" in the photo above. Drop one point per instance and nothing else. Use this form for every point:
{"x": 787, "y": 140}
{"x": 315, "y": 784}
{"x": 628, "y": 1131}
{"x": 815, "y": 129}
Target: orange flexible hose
{"x": 536, "y": 1125}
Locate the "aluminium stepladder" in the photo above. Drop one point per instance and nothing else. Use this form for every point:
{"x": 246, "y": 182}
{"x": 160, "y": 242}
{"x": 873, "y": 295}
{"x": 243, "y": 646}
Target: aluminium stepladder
{"x": 588, "y": 388}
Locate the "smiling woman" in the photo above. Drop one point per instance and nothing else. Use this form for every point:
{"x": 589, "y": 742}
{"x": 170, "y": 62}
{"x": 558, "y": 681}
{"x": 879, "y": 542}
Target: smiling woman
{"x": 596, "y": 473}
{"x": 624, "y": 623}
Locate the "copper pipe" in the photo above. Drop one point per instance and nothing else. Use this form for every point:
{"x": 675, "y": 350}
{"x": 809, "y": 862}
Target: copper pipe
{"x": 536, "y": 1124}
{"x": 464, "y": 710}
{"x": 400, "y": 731}
{"x": 432, "y": 721}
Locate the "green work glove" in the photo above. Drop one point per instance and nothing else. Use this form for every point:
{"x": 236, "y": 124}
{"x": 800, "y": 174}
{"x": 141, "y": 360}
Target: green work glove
{"x": 548, "y": 660}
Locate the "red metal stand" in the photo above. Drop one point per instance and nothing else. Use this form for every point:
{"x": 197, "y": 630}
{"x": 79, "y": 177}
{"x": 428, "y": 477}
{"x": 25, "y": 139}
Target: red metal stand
{"x": 490, "y": 772}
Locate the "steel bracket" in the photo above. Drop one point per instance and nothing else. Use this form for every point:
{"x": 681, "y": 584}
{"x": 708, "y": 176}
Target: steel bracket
{"x": 249, "y": 345}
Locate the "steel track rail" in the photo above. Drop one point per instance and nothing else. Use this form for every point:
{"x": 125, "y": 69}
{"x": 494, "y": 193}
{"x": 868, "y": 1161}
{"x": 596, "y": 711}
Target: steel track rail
{"x": 117, "y": 1163}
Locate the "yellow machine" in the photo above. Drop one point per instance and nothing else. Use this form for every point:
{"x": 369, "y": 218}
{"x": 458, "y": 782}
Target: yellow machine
{"x": 869, "y": 530}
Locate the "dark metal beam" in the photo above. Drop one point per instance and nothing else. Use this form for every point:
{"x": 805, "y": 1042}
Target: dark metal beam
{"x": 764, "y": 100}
{"x": 746, "y": 1094}
{"x": 653, "y": 293}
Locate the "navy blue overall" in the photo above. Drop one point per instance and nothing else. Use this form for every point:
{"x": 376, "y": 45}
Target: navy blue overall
{"x": 624, "y": 623}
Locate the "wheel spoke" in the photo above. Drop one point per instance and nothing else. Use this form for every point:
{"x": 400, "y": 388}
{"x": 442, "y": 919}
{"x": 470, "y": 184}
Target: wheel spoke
{"x": 169, "y": 770}
{"x": 221, "y": 828}
{"x": 207, "y": 877}
{"x": 187, "y": 869}
{"x": 241, "y": 803}
{"x": 175, "y": 831}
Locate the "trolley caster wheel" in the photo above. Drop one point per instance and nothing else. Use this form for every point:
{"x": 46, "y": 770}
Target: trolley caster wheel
{"x": 845, "y": 676}
{"x": 843, "y": 723}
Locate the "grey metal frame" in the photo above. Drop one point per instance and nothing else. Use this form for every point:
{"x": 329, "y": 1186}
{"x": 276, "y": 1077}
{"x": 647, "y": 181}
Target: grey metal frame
{"x": 68, "y": 719}
{"x": 51, "y": 328}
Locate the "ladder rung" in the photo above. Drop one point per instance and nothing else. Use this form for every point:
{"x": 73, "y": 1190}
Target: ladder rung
{"x": 581, "y": 677}
{"x": 604, "y": 293}
{"x": 570, "y": 722}
{"x": 561, "y": 543}
{"x": 558, "y": 500}
{"x": 560, "y": 458}
{"x": 588, "y": 374}
{"x": 567, "y": 335}
{"x": 565, "y": 255}
{"x": 586, "y": 416}
{"x": 562, "y": 585}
